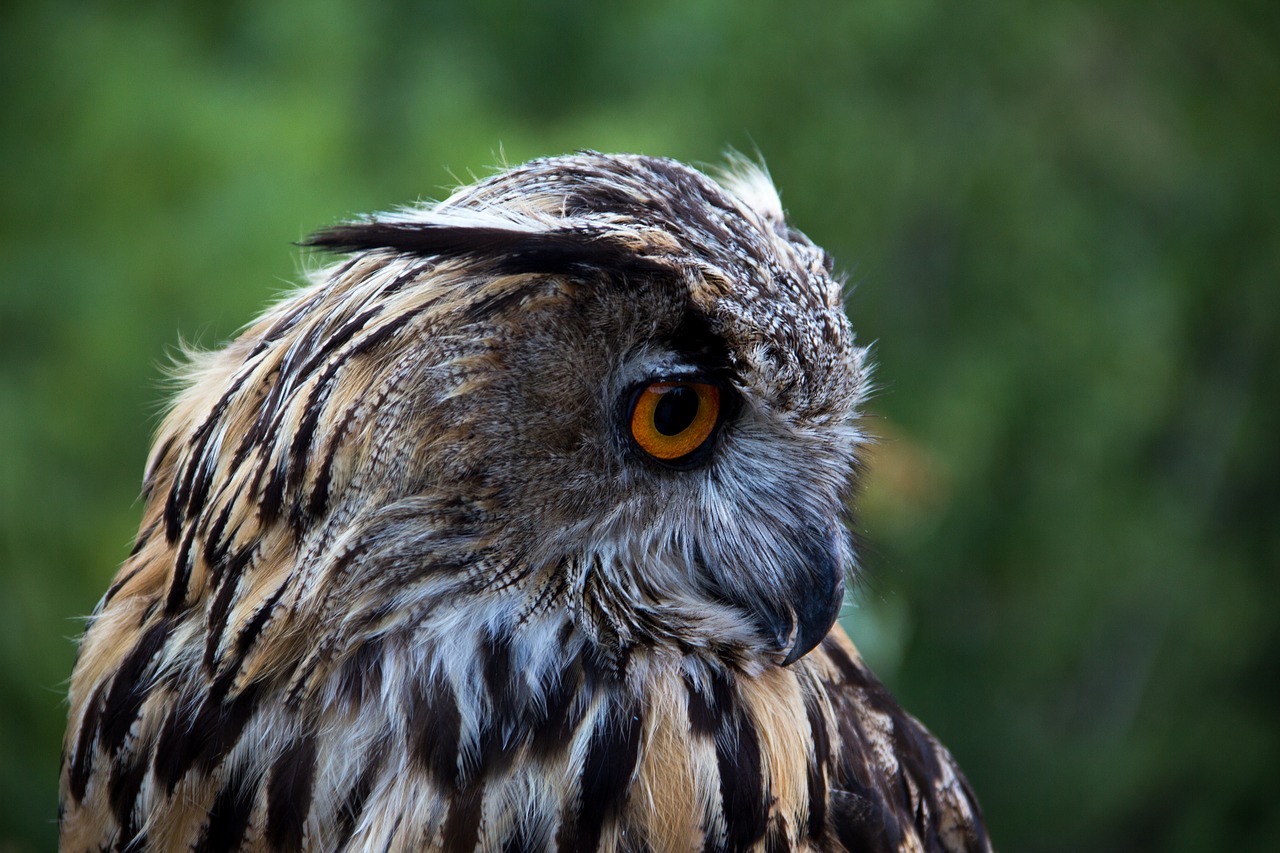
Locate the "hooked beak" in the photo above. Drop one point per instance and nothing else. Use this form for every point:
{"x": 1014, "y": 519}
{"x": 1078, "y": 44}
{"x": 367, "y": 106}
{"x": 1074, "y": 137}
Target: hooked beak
{"x": 795, "y": 611}
{"x": 816, "y": 597}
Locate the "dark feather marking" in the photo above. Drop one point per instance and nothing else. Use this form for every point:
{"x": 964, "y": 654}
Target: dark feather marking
{"x": 219, "y": 610}
{"x": 289, "y": 790}
{"x": 862, "y": 825}
{"x": 496, "y": 303}
{"x": 917, "y": 760}
{"x": 435, "y": 724}
{"x": 493, "y": 752}
{"x": 209, "y": 425}
{"x": 599, "y": 195}
{"x": 353, "y": 804}
{"x": 228, "y": 817}
{"x": 295, "y": 357}
{"x": 746, "y": 809}
{"x": 199, "y": 474}
{"x": 563, "y": 713}
{"x": 204, "y": 737}
{"x": 215, "y": 546}
{"x": 499, "y": 679}
{"x": 227, "y": 720}
{"x": 301, "y": 444}
{"x": 81, "y": 764}
{"x": 366, "y": 543}
{"x": 920, "y": 758}
{"x": 457, "y": 563}
{"x": 160, "y": 455}
{"x": 130, "y": 687}
{"x": 218, "y": 542}
{"x": 262, "y": 433}
{"x": 290, "y": 320}
{"x": 380, "y": 335}
{"x": 233, "y": 568}
{"x": 182, "y": 565}
{"x": 507, "y": 251}
{"x": 123, "y": 786}
{"x": 853, "y": 674}
{"x": 117, "y": 586}
{"x": 173, "y": 516}
{"x": 598, "y": 670}
{"x": 174, "y": 732}
{"x": 462, "y": 824}
{"x": 225, "y": 584}
{"x": 174, "y": 509}
{"x": 860, "y": 812}
{"x": 724, "y": 699}
{"x": 144, "y": 536}
{"x": 681, "y": 202}
{"x": 404, "y": 278}
{"x": 817, "y": 769}
{"x": 272, "y": 496}
{"x": 300, "y": 450}
{"x": 253, "y": 628}
{"x": 268, "y": 413}
{"x": 192, "y": 489}
{"x": 606, "y": 775}
{"x": 360, "y": 676}
{"x": 319, "y": 499}
{"x": 336, "y": 340}
{"x": 503, "y": 730}
{"x": 702, "y": 717}
{"x": 743, "y": 799}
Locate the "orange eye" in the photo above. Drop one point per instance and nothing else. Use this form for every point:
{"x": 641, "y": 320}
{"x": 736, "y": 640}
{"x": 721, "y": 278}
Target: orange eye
{"x": 670, "y": 420}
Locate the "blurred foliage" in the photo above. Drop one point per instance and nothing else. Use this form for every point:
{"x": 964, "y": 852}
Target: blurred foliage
{"x": 1060, "y": 220}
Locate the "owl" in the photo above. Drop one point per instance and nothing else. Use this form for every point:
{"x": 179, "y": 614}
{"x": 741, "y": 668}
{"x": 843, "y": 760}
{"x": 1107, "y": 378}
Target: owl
{"x": 524, "y": 526}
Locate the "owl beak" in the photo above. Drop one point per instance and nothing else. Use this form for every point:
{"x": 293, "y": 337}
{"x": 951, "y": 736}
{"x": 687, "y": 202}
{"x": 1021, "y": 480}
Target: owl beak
{"x": 795, "y": 598}
{"x": 816, "y": 596}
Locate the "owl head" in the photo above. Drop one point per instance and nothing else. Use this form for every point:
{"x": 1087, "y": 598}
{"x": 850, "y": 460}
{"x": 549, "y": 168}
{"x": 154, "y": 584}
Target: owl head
{"x": 602, "y": 397}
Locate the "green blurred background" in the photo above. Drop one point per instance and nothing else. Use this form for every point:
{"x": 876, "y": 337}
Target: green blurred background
{"x": 1061, "y": 220}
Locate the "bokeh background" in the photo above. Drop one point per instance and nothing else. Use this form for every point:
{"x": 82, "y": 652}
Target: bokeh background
{"x": 1061, "y": 221}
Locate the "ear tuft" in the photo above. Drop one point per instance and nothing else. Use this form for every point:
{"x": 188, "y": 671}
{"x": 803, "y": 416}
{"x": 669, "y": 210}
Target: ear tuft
{"x": 507, "y": 251}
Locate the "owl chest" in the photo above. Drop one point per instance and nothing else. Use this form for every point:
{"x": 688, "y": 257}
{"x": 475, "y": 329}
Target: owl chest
{"x": 681, "y": 766}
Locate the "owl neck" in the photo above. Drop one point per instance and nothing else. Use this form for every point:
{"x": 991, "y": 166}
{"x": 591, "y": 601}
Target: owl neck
{"x": 501, "y": 681}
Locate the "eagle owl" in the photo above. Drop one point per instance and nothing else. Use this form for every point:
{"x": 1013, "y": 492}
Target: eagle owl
{"x": 521, "y": 527}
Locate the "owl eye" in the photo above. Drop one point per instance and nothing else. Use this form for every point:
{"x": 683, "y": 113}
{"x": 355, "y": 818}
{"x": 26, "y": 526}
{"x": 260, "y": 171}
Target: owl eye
{"x": 672, "y": 420}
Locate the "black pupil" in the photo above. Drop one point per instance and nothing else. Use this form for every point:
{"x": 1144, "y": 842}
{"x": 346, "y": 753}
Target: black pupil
{"x": 676, "y": 410}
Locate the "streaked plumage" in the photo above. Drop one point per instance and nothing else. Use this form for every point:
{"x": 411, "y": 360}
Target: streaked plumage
{"x": 406, "y": 579}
